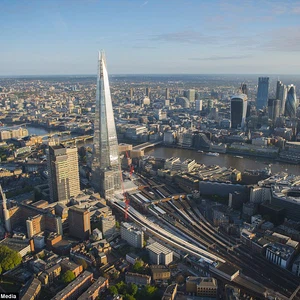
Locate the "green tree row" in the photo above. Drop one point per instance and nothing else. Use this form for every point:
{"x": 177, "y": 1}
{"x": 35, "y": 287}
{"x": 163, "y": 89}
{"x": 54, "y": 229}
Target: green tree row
{"x": 9, "y": 259}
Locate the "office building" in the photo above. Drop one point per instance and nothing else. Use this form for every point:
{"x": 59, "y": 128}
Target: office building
{"x": 274, "y": 108}
{"x": 132, "y": 235}
{"x": 238, "y": 110}
{"x": 280, "y": 254}
{"x": 244, "y": 89}
{"x": 148, "y": 92}
{"x": 262, "y": 92}
{"x": 198, "y": 105}
{"x": 291, "y": 103}
{"x": 281, "y": 94}
{"x": 131, "y": 93}
{"x": 79, "y": 223}
{"x": 63, "y": 172}
{"x": 108, "y": 225}
{"x": 106, "y": 174}
{"x": 167, "y": 93}
{"x": 190, "y": 95}
{"x": 159, "y": 254}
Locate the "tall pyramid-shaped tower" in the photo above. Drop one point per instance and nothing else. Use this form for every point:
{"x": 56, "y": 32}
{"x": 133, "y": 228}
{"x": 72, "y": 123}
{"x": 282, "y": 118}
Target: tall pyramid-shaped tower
{"x": 106, "y": 172}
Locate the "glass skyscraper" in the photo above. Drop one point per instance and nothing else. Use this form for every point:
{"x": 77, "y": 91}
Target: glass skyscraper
{"x": 262, "y": 92}
{"x": 291, "y": 103}
{"x": 281, "y": 94}
{"x": 238, "y": 110}
{"x": 106, "y": 172}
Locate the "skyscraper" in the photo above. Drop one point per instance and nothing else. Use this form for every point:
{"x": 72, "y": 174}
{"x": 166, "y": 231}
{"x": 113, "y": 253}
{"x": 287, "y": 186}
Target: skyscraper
{"x": 238, "y": 110}
{"x": 63, "y": 172}
{"x": 167, "y": 93}
{"x": 244, "y": 89}
{"x": 106, "y": 172}
{"x": 291, "y": 103}
{"x": 190, "y": 94}
{"x": 262, "y": 92}
{"x": 274, "y": 109}
{"x": 281, "y": 94}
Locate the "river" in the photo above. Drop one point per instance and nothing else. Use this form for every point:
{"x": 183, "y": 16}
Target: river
{"x": 223, "y": 160}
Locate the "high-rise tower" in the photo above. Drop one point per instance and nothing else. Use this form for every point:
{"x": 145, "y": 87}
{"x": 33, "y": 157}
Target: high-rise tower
{"x": 281, "y": 94}
{"x": 63, "y": 172}
{"x": 262, "y": 92}
{"x": 238, "y": 109}
{"x": 106, "y": 174}
{"x": 291, "y": 103}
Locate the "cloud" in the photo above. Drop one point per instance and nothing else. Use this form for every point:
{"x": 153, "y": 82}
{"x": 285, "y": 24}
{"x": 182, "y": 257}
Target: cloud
{"x": 143, "y": 4}
{"x": 286, "y": 39}
{"x": 144, "y": 47}
{"x": 221, "y": 57}
{"x": 187, "y": 36}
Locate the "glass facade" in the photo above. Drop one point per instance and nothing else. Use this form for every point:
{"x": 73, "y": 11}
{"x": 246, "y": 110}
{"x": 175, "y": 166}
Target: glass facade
{"x": 291, "y": 103}
{"x": 262, "y": 92}
{"x": 106, "y": 172}
{"x": 238, "y": 109}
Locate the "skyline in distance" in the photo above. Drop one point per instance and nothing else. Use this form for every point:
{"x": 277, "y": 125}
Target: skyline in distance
{"x": 150, "y": 37}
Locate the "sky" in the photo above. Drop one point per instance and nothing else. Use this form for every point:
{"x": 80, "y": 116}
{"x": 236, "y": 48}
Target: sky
{"x": 150, "y": 37}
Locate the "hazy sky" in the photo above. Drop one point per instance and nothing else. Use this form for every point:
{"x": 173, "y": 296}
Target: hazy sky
{"x": 154, "y": 36}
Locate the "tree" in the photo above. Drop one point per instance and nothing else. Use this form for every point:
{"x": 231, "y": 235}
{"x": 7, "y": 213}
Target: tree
{"x": 68, "y": 276}
{"x": 9, "y": 259}
{"x": 129, "y": 297}
{"x": 132, "y": 289}
{"x": 113, "y": 290}
{"x": 138, "y": 266}
{"x": 118, "y": 225}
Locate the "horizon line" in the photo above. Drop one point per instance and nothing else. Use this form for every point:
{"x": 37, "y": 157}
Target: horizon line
{"x": 149, "y": 74}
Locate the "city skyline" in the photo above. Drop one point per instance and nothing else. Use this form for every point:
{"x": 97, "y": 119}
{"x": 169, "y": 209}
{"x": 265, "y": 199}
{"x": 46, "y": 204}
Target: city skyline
{"x": 150, "y": 37}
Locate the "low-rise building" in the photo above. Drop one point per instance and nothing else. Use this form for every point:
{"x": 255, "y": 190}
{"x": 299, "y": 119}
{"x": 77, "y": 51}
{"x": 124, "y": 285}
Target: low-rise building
{"x": 160, "y": 272}
{"x": 76, "y": 287}
{"x": 139, "y": 279}
{"x": 100, "y": 285}
{"x": 202, "y": 286}
{"x": 159, "y": 254}
{"x": 170, "y": 292}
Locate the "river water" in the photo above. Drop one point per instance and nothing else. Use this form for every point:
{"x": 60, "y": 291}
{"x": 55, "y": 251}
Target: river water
{"x": 223, "y": 160}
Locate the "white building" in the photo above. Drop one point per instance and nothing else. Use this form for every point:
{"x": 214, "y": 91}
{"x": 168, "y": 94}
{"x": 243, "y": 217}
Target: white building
{"x": 280, "y": 254}
{"x": 159, "y": 254}
{"x": 198, "y": 105}
{"x": 132, "y": 235}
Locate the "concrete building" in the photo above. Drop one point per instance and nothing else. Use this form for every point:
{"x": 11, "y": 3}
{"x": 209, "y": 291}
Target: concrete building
{"x": 63, "y": 172}
{"x": 79, "y": 223}
{"x": 198, "y": 105}
{"x": 160, "y": 254}
{"x": 132, "y": 235}
{"x": 108, "y": 225}
{"x": 280, "y": 254}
